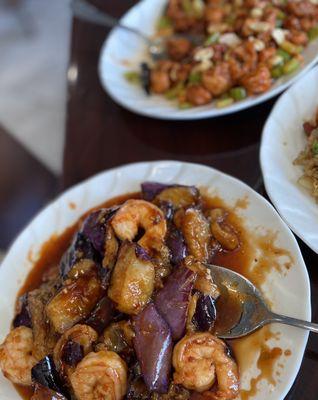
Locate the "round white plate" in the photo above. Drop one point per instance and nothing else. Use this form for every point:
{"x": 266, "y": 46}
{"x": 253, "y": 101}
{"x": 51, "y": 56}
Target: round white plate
{"x": 284, "y": 292}
{"x": 283, "y": 138}
{"x": 124, "y": 51}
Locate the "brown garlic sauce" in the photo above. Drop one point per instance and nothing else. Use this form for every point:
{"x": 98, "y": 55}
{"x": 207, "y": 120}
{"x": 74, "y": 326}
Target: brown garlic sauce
{"x": 239, "y": 260}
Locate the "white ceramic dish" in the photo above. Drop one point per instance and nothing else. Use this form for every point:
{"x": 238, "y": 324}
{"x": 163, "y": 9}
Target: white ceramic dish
{"x": 284, "y": 293}
{"x": 123, "y": 51}
{"x": 283, "y": 138}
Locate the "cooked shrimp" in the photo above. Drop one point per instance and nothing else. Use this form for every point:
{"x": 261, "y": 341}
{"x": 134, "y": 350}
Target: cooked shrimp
{"x": 258, "y": 81}
{"x": 84, "y": 335}
{"x": 100, "y": 376}
{"x": 198, "y": 95}
{"x": 218, "y": 79}
{"x": 199, "y": 359}
{"x": 16, "y": 359}
{"x": 159, "y": 81}
{"x": 135, "y": 214}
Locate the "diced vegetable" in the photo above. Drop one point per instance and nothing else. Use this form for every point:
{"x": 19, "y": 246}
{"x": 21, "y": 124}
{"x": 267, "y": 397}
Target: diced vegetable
{"x": 164, "y": 22}
{"x": 172, "y": 300}
{"x": 224, "y": 102}
{"x": 286, "y": 56}
{"x": 185, "y": 105}
{"x": 277, "y": 72}
{"x": 153, "y": 346}
{"x": 214, "y": 38}
{"x": 291, "y": 48}
{"x": 176, "y": 244}
{"x": 132, "y": 76}
{"x": 313, "y": 33}
{"x": 72, "y": 353}
{"x": 187, "y": 6}
{"x": 205, "y": 313}
{"x": 45, "y": 373}
{"x": 291, "y": 66}
{"x": 238, "y": 93}
{"x": 194, "y": 77}
{"x": 151, "y": 189}
{"x": 74, "y": 302}
{"x": 178, "y": 196}
{"x": 132, "y": 281}
{"x": 101, "y": 315}
{"x": 23, "y": 318}
{"x": 314, "y": 147}
{"x": 173, "y": 93}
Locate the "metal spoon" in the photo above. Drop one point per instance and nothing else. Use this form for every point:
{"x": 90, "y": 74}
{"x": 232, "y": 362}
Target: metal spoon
{"x": 254, "y": 311}
{"x": 87, "y": 12}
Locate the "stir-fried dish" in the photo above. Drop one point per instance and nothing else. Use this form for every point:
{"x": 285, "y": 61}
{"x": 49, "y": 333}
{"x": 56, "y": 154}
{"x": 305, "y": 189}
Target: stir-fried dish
{"x": 227, "y": 50}
{"x": 129, "y": 310}
{"x": 308, "y": 158}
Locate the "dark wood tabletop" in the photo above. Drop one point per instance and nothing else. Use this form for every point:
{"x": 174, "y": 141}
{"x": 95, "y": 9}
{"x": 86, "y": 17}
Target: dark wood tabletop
{"x": 100, "y": 134}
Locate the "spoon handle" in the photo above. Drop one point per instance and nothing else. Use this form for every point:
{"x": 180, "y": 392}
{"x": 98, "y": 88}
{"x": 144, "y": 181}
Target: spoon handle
{"x": 294, "y": 322}
{"x": 87, "y": 12}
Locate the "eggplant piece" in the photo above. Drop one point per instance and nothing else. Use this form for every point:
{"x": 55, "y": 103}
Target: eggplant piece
{"x": 72, "y": 353}
{"x": 153, "y": 346}
{"x": 94, "y": 228}
{"x": 23, "y": 318}
{"x": 74, "y": 302}
{"x": 178, "y": 196}
{"x": 80, "y": 249}
{"x": 44, "y": 393}
{"x": 145, "y": 77}
{"x": 45, "y": 373}
{"x": 172, "y": 301}
{"x": 132, "y": 281}
{"x": 205, "y": 313}
{"x": 102, "y": 315}
{"x": 151, "y": 189}
{"x": 177, "y": 246}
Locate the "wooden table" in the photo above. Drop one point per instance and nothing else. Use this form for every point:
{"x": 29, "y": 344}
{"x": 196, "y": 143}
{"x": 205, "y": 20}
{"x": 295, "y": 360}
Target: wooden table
{"x": 100, "y": 135}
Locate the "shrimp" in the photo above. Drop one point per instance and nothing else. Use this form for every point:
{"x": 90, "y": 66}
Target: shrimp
{"x": 201, "y": 358}
{"x": 100, "y": 376}
{"x": 159, "y": 81}
{"x": 258, "y": 81}
{"x": 135, "y": 214}
{"x": 217, "y": 80}
{"x": 83, "y": 335}
{"x": 16, "y": 359}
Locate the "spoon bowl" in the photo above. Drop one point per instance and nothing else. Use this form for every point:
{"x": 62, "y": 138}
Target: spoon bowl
{"x": 254, "y": 312}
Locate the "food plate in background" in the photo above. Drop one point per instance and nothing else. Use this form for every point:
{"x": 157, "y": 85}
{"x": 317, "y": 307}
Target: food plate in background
{"x": 258, "y": 216}
{"x": 123, "y": 51}
{"x": 283, "y": 138}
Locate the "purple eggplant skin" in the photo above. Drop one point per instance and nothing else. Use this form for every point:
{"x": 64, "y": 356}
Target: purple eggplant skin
{"x": 172, "y": 301}
{"x": 72, "y": 353}
{"x": 205, "y": 313}
{"x": 153, "y": 346}
{"x": 151, "y": 189}
{"x": 44, "y": 393}
{"x": 177, "y": 246}
{"x": 102, "y": 315}
{"x": 23, "y": 318}
{"x": 94, "y": 227}
{"x": 81, "y": 248}
{"x": 45, "y": 373}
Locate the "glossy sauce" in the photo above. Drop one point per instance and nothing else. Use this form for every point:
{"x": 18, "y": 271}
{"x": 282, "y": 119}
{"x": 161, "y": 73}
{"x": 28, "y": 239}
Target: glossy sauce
{"x": 247, "y": 349}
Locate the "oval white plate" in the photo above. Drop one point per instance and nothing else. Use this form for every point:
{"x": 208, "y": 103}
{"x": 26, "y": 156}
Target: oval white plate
{"x": 122, "y": 47}
{"x": 283, "y": 138}
{"x": 284, "y": 293}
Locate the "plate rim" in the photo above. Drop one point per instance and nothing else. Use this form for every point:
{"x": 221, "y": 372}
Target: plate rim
{"x": 267, "y": 184}
{"x": 213, "y": 112}
{"x": 284, "y": 230}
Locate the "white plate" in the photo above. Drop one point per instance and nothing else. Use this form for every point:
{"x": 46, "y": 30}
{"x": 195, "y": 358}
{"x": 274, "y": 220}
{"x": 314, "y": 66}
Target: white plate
{"x": 121, "y": 47}
{"x": 283, "y": 138}
{"x": 283, "y": 291}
